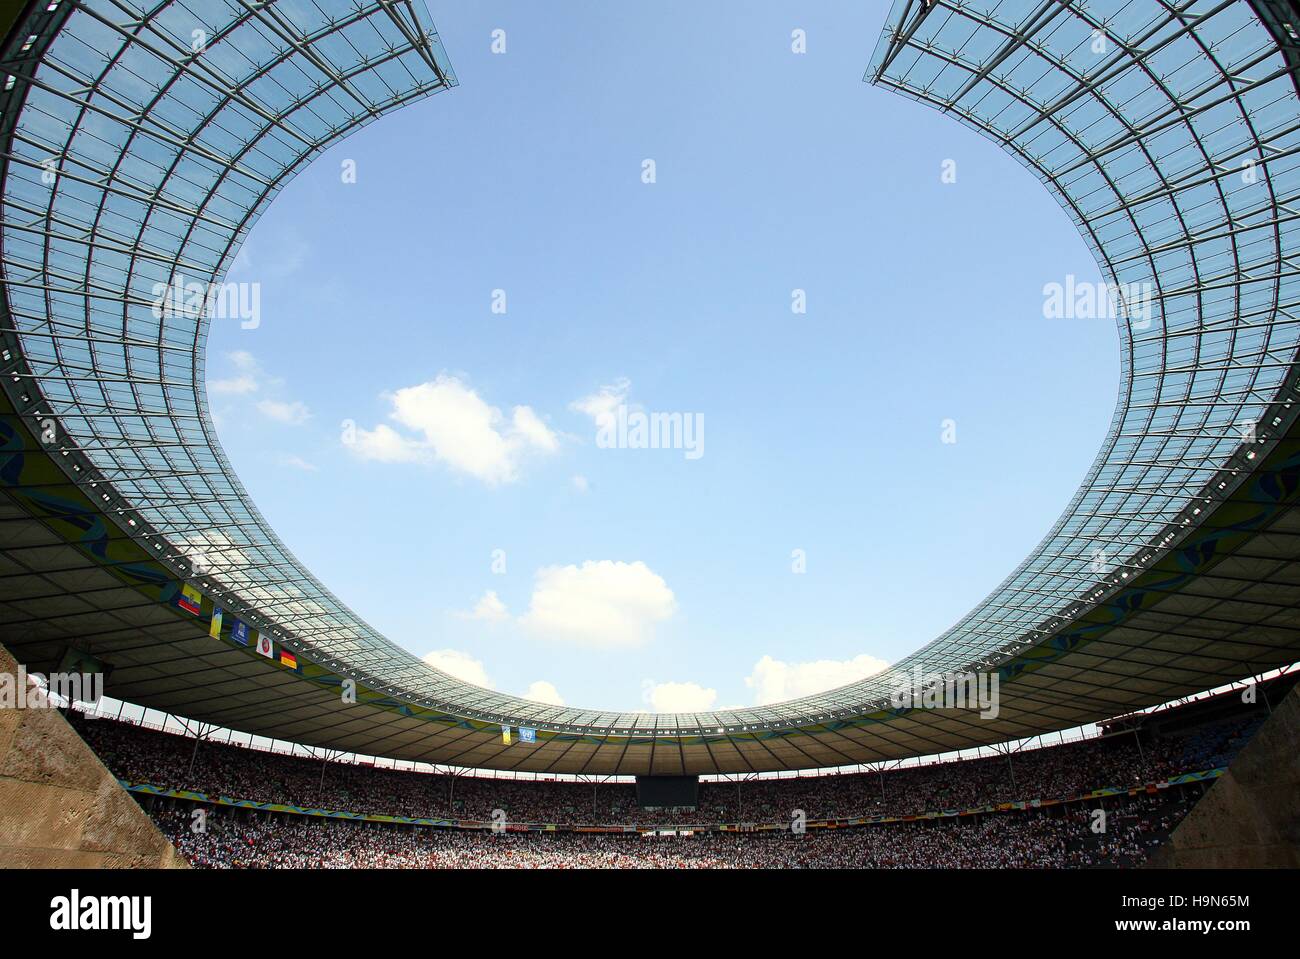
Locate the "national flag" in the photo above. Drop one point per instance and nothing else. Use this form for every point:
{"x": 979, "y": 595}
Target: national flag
{"x": 191, "y": 600}
{"x": 239, "y": 632}
{"x": 215, "y": 629}
{"x": 527, "y": 735}
{"x": 265, "y": 646}
{"x": 505, "y": 735}
{"x": 288, "y": 659}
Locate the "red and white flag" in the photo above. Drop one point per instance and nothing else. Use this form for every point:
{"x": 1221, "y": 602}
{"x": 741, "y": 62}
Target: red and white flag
{"x": 265, "y": 646}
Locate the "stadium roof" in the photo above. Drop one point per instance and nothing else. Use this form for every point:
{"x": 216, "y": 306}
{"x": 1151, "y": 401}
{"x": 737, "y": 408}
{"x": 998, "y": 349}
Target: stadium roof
{"x": 131, "y": 162}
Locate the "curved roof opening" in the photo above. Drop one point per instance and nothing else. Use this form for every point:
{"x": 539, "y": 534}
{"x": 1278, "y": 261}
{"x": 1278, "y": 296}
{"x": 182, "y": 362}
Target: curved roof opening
{"x": 373, "y": 403}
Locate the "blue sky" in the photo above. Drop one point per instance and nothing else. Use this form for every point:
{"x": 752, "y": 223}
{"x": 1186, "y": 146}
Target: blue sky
{"x": 641, "y": 578}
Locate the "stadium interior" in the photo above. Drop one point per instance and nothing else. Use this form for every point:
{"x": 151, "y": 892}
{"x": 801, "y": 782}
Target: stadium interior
{"x": 130, "y": 550}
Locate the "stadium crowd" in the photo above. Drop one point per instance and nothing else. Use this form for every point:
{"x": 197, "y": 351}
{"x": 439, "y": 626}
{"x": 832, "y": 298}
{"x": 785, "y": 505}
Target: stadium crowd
{"x": 1063, "y": 834}
{"x": 140, "y": 755}
{"x": 1060, "y": 837}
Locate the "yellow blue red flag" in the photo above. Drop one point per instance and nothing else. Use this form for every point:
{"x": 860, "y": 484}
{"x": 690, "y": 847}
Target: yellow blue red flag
{"x": 191, "y": 600}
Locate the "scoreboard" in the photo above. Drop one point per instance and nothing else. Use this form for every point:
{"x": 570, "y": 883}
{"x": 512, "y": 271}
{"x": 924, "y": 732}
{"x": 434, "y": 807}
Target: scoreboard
{"x": 660, "y": 792}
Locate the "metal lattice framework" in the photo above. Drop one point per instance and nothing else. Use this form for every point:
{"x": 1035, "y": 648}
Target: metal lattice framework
{"x": 1167, "y": 131}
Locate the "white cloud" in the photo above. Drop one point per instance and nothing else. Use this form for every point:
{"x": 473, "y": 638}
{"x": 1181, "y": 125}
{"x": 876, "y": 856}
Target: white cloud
{"x": 297, "y": 462}
{"x": 489, "y": 608}
{"x": 601, "y": 603}
{"x": 291, "y": 413}
{"x": 385, "y": 445}
{"x": 457, "y": 427}
{"x": 677, "y": 697}
{"x": 251, "y": 378}
{"x": 235, "y": 386}
{"x": 541, "y": 691}
{"x": 246, "y": 382}
{"x": 530, "y": 427}
{"x": 602, "y": 404}
{"x": 461, "y": 665}
{"x": 580, "y": 483}
{"x": 774, "y": 681}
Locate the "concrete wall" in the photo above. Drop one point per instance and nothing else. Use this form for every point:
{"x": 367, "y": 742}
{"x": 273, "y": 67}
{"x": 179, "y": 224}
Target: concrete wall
{"x": 59, "y": 805}
{"x": 1250, "y": 818}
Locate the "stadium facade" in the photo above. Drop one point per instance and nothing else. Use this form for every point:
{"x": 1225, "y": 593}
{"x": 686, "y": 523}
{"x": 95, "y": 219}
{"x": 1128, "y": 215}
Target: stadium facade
{"x": 141, "y": 145}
